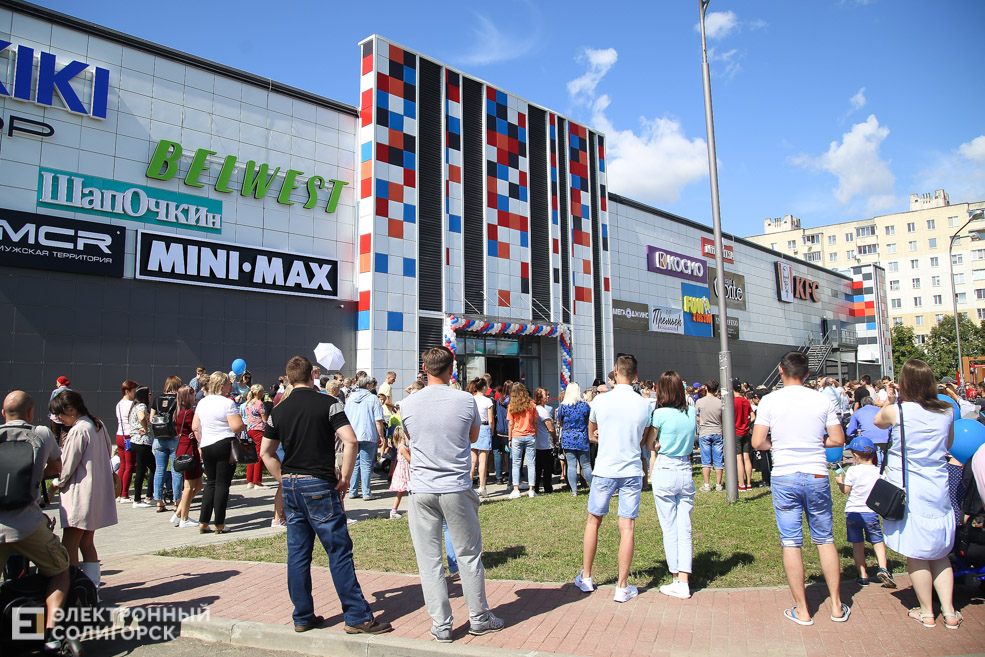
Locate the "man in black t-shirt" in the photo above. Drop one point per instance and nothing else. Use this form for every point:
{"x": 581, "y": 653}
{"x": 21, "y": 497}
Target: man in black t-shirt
{"x": 307, "y": 423}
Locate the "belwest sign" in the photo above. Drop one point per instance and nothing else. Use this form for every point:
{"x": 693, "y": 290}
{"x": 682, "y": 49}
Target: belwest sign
{"x": 177, "y": 259}
{"x": 790, "y": 287}
{"x": 38, "y": 241}
{"x": 662, "y": 261}
{"x": 51, "y": 79}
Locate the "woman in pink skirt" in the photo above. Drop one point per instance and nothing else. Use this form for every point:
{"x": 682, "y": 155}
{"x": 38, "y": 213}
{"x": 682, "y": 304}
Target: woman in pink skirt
{"x": 400, "y": 481}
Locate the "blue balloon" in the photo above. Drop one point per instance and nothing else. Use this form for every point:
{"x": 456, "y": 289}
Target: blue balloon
{"x": 969, "y": 435}
{"x": 239, "y": 366}
{"x": 957, "y": 409}
{"x": 835, "y": 454}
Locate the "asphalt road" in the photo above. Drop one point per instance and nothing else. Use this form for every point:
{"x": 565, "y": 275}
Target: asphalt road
{"x": 119, "y": 647}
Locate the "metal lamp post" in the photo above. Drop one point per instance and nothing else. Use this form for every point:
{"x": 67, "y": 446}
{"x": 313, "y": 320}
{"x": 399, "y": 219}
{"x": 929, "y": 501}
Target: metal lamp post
{"x": 975, "y": 216}
{"x": 724, "y": 357}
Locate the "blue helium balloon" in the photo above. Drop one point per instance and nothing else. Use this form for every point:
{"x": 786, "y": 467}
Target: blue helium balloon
{"x": 835, "y": 454}
{"x": 239, "y": 366}
{"x": 969, "y": 435}
{"x": 957, "y": 409}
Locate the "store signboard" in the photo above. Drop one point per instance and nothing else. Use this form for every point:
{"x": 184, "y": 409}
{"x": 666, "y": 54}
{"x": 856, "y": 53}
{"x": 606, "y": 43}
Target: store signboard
{"x": 790, "y": 287}
{"x": 667, "y": 320}
{"x": 179, "y": 259}
{"x": 733, "y": 326}
{"x": 708, "y": 250}
{"x": 40, "y": 241}
{"x": 53, "y": 81}
{"x": 735, "y": 289}
{"x": 666, "y": 262}
{"x": 630, "y": 315}
{"x": 696, "y": 303}
{"x": 78, "y": 192}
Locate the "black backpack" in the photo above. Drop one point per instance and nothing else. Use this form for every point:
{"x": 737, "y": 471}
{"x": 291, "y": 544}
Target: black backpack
{"x": 162, "y": 422}
{"x": 19, "y": 449}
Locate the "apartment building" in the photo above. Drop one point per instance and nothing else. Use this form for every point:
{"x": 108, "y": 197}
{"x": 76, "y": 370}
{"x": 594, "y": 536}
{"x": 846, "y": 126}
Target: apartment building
{"x": 911, "y": 246}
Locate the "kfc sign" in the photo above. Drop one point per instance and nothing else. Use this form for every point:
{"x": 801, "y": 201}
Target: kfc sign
{"x": 708, "y": 250}
{"x": 790, "y": 287}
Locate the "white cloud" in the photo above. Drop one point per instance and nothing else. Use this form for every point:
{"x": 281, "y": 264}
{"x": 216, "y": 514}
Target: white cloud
{"x": 858, "y": 166}
{"x": 492, "y": 44}
{"x": 858, "y": 100}
{"x": 960, "y": 172}
{"x": 718, "y": 24}
{"x": 652, "y": 163}
{"x": 728, "y": 60}
{"x": 974, "y": 150}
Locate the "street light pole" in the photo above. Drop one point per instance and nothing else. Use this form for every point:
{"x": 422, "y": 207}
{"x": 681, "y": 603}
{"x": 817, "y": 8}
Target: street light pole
{"x": 975, "y": 216}
{"x": 724, "y": 357}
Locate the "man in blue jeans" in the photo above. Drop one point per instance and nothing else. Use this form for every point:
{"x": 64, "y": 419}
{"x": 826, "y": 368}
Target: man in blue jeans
{"x": 365, "y": 412}
{"x": 710, "y": 438}
{"x": 792, "y": 421}
{"x": 307, "y": 423}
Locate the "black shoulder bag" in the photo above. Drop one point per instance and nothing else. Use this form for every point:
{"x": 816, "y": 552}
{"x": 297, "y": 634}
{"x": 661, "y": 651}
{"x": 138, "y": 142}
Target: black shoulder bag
{"x": 887, "y": 499}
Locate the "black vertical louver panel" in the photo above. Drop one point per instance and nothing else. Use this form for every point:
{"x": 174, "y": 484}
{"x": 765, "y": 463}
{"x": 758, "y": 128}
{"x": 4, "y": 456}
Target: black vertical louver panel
{"x": 596, "y": 256}
{"x": 562, "y": 183}
{"x": 429, "y": 196}
{"x": 428, "y": 334}
{"x": 472, "y": 205}
{"x": 540, "y": 216}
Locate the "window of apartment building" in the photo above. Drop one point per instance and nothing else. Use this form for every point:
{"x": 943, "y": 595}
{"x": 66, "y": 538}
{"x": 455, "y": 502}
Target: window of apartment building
{"x": 935, "y": 262}
{"x": 813, "y": 238}
{"x": 814, "y": 256}
{"x": 849, "y": 237}
{"x": 914, "y": 264}
{"x": 952, "y": 222}
{"x": 980, "y": 293}
{"x": 894, "y": 286}
{"x": 832, "y": 240}
{"x": 911, "y": 227}
{"x": 957, "y": 259}
{"x": 917, "y": 302}
{"x": 792, "y": 244}
{"x": 931, "y": 224}
{"x": 958, "y": 279}
{"x": 890, "y": 230}
{"x": 850, "y": 254}
{"x": 978, "y": 275}
{"x": 912, "y": 246}
{"x": 865, "y": 231}
{"x": 938, "y": 317}
{"x": 890, "y": 248}
{"x": 932, "y": 243}
{"x": 916, "y": 283}
{"x": 935, "y": 281}
{"x": 981, "y": 313}
{"x": 833, "y": 257}
{"x": 897, "y": 321}
{"x": 895, "y": 304}
{"x": 978, "y": 254}
{"x": 892, "y": 266}
{"x": 918, "y": 320}
{"x": 868, "y": 249}
{"x": 773, "y": 245}
{"x": 962, "y": 297}
{"x": 938, "y": 300}
{"x": 921, "y": 339}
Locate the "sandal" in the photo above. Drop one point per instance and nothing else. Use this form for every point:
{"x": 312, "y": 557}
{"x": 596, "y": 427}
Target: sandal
{"x": 791, "y": 614}
{"x": 916, "y": 615}
{"x": 161, "y": 508}
{"x": 846, "y": 611}
{"x": 957, "y": 617}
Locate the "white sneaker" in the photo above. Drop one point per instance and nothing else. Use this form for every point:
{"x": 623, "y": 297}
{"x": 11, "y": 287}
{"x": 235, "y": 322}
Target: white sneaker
{"x": 515, "y": 495}
{"x": 482, "y": 492}
{"x": 531, "y": 493}
{"x": 368, "y": 498}
{"x": 185, "y": 524}
{"x": 584, "y": 583}
{"x": 174, "y": 520}
{"x": 350, "y": 521}
{"x": 719, "y": 488}
{"x": 124, "y": 500}
{"x": 142, "y": 505}
{"x": 677, "y": 589}
{"x": 626, "y": 594}
{"x": 395, "y": 515}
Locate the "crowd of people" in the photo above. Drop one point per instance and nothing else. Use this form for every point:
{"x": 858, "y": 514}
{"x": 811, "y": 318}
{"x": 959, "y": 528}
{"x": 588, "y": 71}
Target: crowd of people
{"x": 322, "y": 437}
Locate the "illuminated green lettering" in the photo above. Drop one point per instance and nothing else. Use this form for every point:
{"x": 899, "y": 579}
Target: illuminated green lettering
{"x": 198, "y": 167}
{"x": 164, "y": 164}
{"x": 226, "y": 174}
{"x": 314, "y": 184}
{"x": 333, "y": 200}
{"x": 255, "y": 180}
{"x": 288, "y": 186}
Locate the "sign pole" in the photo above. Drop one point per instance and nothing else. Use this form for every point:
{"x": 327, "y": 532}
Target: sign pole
{"x": 724, "y": 356}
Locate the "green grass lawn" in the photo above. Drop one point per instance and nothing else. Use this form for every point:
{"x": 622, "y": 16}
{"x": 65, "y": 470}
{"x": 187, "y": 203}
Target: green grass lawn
{"x": 540, "y": 540}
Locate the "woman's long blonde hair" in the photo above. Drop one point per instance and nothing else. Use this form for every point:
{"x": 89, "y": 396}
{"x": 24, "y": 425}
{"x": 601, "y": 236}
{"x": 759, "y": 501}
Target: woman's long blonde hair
{"x": 520, "y": 401}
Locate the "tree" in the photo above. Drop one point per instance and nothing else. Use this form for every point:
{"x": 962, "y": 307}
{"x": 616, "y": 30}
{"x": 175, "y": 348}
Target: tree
{"x": 942, "y": 348}
{"x": 904, "y": 347}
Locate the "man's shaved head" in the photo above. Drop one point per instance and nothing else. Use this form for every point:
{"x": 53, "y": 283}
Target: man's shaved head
{"x": 18, "y": 405}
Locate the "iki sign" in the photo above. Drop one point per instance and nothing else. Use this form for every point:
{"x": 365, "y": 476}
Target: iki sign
{"x": 52, "y": 79}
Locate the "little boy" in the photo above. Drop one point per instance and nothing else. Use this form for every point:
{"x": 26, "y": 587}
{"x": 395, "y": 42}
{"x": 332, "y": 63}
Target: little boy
{"x": 861, "y": 521}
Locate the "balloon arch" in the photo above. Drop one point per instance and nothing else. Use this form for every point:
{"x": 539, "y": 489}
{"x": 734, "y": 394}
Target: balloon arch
{"x": 453, "y": 323}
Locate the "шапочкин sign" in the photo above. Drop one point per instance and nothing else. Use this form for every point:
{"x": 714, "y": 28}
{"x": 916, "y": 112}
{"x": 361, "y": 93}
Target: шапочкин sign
{"x": 662, "y": 261}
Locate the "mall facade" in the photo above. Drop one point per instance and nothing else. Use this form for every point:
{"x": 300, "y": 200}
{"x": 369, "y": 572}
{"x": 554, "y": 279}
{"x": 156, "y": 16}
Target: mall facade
{"x": 159, "y": 211}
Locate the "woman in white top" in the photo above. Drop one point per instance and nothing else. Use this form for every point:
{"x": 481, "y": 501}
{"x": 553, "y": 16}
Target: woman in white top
{"x": 482, "y": 446}
{"x": 216, "y": 423}
{"x": 925, "y": 535}
{"x": 123, "y": 437}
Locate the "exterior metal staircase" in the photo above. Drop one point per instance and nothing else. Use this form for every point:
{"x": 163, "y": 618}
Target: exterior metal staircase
{"x": 817, "y": 356}
{"x": 818, "y": 351}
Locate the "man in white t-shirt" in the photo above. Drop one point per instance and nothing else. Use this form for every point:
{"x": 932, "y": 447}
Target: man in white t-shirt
{"x": 618, "y": 423}
{"x": 792, "y": 421}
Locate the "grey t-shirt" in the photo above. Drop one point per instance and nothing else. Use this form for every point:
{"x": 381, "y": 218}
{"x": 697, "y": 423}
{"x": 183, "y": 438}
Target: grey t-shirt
{"x": 437, "y": 420}
{"x": 19, "y": 524}
{"x": 709, "y": 410}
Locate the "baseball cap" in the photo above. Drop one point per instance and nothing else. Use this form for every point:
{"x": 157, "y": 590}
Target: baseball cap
{"x": 62, "y": 382}
{"x": 697, "y": 385}
{"x": 862, "y": 444}
{"x": 736, "y": 384}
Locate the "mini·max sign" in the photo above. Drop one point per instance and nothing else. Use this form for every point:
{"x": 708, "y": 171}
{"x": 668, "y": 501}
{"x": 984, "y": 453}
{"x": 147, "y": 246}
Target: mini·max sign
{"x": 51, "y": 80}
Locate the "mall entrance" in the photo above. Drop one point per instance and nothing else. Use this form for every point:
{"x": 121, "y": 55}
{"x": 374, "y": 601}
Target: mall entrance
{"x": 514, "y": 358}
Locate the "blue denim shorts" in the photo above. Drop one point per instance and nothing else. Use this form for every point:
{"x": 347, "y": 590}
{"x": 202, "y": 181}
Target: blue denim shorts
{"x": 712, "y": 451}
{"x": 863, "y": 527}
{"x": 797, "y": 494}
{"x": 603, "y": 488}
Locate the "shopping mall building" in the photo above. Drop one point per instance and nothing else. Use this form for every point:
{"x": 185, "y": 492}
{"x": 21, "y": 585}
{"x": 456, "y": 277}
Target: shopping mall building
{"x": 159, "y": 211}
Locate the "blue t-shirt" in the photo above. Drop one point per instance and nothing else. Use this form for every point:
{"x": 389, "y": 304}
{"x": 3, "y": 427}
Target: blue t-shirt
{"x": 573, "y": 419}
{"x": 676, "y": 428}
{"x": 862, "y": 424}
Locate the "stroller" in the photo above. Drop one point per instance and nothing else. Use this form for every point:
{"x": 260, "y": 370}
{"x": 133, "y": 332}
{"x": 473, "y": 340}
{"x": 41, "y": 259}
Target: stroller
{"x": 25, "y": 590}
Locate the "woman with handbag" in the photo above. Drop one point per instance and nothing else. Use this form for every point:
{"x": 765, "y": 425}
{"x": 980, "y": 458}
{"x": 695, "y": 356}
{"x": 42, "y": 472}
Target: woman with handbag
{"x": 216, "y": 424}
{"x": 921, "y": 433}
{"x": 255, "y": 414}
{"x": 572, "y": 415}
{"x": 187, "y": 459}
{"x": 141, "y": 444}
{"x": 123, "y": 437}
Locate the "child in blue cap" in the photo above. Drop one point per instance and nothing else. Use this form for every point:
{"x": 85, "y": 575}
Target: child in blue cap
{"x": 861, "y": 521}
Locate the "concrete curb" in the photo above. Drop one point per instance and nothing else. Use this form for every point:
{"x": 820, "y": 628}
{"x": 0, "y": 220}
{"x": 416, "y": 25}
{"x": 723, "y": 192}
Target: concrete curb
{"x": 320, "y": 642}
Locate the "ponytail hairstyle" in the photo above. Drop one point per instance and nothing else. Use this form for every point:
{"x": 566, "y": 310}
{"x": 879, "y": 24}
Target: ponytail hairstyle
{"x": 142, "y": 396}
{"x": 256, "y": 392}
{"x": 186, "y": 398}
{"x": 69, "y": 399}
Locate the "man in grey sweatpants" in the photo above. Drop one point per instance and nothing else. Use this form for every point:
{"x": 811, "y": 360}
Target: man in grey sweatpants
{"x": 441, "y": 423}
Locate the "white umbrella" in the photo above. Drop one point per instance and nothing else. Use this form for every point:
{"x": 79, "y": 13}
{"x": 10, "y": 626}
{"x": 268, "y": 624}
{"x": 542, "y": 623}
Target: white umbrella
{"x": 329, "y": 356}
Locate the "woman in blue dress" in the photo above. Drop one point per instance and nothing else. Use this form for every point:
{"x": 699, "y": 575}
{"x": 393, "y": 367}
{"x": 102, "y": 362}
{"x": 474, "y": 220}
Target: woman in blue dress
{"x": 572, "y": 417}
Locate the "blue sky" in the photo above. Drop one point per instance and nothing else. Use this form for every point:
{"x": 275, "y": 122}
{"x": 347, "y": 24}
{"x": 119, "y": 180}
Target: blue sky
{"x": 830, "y": 110}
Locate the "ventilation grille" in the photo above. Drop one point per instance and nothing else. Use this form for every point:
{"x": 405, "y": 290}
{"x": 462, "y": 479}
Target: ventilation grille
{"x": 540, "y": 217}
{"x": 429, "y": 243}
{"x": 473, "y": 219}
